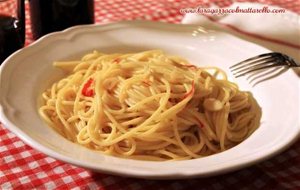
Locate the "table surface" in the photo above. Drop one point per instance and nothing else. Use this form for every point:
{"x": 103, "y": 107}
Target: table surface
{"x": 22, "y": 167}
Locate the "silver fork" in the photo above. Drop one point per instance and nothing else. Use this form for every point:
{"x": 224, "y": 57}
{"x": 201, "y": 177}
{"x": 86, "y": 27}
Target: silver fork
{"x": 261, "y": 62}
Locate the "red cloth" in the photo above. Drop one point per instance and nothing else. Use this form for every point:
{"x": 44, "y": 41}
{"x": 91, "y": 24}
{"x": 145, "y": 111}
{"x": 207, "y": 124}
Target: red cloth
{"x": 22, "y": 167}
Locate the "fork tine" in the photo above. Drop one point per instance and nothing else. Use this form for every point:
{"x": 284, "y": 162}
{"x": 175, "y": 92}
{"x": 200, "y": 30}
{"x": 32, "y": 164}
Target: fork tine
{"x": 254, "y": 74}
{"x": 269, "y": 75}
{"x": 256, "y": 69}
{"x": 261, "y": 74}
{"x": 254, "y": 58}
{"x": 260, "y": 64}
{"x": 252, "y": 63}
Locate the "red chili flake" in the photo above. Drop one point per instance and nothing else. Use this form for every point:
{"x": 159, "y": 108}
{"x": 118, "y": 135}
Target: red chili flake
{"x": 191, "y": 92}
{"x": 190, "y": 66}
{"x": 109, "y": 91}
{"x": 200, "y": 124}
{"x": 87, "y": 90}
{"x": 117, "y": 60}
{"x": 146, "y": 83}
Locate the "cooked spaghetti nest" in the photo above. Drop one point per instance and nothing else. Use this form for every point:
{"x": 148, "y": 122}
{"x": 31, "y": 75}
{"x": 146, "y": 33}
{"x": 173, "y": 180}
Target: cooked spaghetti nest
{"x": 148, "y": 106}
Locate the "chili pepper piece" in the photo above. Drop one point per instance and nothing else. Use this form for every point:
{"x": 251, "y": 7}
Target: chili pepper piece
{"x": 87, "y": 90}
{"x": 191, "y": 92}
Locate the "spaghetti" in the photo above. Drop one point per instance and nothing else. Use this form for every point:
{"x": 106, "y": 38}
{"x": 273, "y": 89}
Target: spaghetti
{"x": 148, "y": 106}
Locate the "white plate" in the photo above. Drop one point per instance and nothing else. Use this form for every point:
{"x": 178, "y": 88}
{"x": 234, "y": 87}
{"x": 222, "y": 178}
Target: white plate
{"x": 29, "y": 71}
